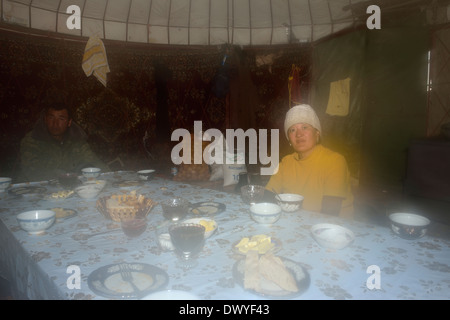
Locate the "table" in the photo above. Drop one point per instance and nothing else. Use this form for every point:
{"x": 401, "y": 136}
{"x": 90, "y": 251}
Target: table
{"x": 37, "y": 266}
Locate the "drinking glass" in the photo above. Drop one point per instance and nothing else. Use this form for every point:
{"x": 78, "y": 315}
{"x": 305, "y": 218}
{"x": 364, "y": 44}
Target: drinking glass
{"x": 188, "y": 240}
{"x": 252, "y": 194}
{"x": 175, "y": 209}
{"x": 134, "y": 227}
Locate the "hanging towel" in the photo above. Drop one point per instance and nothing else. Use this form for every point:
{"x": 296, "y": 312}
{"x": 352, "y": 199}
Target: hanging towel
{"x": 339, "y": 99}
{"x": 294, "y": 85}
{"x": 94, "y": 59}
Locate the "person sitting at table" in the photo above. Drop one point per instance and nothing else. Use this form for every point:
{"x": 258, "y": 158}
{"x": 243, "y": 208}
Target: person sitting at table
{"x": 312, "y": 170}
{"x": 55, "y": 145}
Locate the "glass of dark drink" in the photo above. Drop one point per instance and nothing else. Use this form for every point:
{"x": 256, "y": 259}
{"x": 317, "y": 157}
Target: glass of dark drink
{"x": 134, "y": 227}
{"x": 188, "y": 240}
{"x": 69, "y": 180}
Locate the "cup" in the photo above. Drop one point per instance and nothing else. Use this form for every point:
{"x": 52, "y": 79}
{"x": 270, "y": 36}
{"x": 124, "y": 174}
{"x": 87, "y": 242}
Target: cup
{"x": 175, "y": 209}
{"x": 133, "y": 227}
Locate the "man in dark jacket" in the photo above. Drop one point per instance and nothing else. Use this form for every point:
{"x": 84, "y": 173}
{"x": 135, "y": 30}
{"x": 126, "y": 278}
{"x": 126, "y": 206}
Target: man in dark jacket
{"x": 55, "y": 145}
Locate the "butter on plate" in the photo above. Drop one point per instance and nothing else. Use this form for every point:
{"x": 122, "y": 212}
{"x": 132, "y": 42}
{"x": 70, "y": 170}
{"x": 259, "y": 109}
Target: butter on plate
{"x": 260, "y": 243}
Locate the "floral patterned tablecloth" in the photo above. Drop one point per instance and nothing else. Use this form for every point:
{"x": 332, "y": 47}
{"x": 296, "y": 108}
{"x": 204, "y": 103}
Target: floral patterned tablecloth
{"x": 37, "y": 266}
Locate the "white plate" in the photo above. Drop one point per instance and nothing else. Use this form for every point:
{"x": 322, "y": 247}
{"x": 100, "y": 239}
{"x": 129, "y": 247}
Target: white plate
{"x": 107, "y": 281}
{"x": 207, "y": 208}
{"x": 197, "y": 220}
{"x": 171, "y": 295}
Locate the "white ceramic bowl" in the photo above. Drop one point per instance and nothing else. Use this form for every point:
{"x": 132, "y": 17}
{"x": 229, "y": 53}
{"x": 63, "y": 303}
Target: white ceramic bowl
{"x": 146, "y": 174}
{"x": 91, "y": 172}
{"x": 209, "y": 224}
{"x": 36, "y": 221}
{"x": 409, "y": 225}
{"x": 265, "y": 212}
{"x": 289, "y": 202}
{"x": 165, "y": 242}
{"x": 332, "y": 236}
{"x": 5, "y": 182}
{"x": 90, "y": 189}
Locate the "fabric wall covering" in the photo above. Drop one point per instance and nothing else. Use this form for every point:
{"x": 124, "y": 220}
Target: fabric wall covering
{"x": 35, "y": 70}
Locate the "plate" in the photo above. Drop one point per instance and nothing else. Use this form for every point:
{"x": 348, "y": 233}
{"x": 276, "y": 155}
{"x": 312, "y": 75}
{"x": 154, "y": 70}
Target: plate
{"x": 60, "y": 195}
{"x": 30, "y": 190}
{"x": 63, "y": 213}
{"x": 206, "y": 208}
{"x": 127, "y": 183}
{"x": 210, "y": 221}
{"x": 171, "y": 295}
{"x": 107, "y": 281}
{"x": 277, "y": 246}
{"x": 300, "y": 274}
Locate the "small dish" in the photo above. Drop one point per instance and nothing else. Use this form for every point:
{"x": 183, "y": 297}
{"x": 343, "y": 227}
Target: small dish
{"x": 63, "y": 213}
{"x": 209, "y": 224}
{"x": 207, "y": 208}
{"x": 146, "y": 175}
{"x": 165, "y": 242}
{"x": 332, "y": 236}
{"x": 60, "y": 195}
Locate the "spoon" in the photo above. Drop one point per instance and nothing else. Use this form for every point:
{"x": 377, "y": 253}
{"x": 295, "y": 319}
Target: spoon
{"x": 277, "y": 196}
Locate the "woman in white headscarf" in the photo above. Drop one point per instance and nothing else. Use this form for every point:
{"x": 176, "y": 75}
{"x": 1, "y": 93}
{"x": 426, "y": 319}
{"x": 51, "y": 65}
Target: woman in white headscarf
{"x": 312, "y": 170}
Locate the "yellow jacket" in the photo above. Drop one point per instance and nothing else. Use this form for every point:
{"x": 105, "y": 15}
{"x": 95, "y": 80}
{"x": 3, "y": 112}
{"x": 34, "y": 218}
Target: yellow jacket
{"x": 323, "y": 173}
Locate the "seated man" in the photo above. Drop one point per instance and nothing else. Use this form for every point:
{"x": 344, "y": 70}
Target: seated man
{"x": 55, "y": 145}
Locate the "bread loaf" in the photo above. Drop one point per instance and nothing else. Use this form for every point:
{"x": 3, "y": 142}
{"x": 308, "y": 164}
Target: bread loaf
{"x": 251, "y": 273}
{"x": 273, "y": 269}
